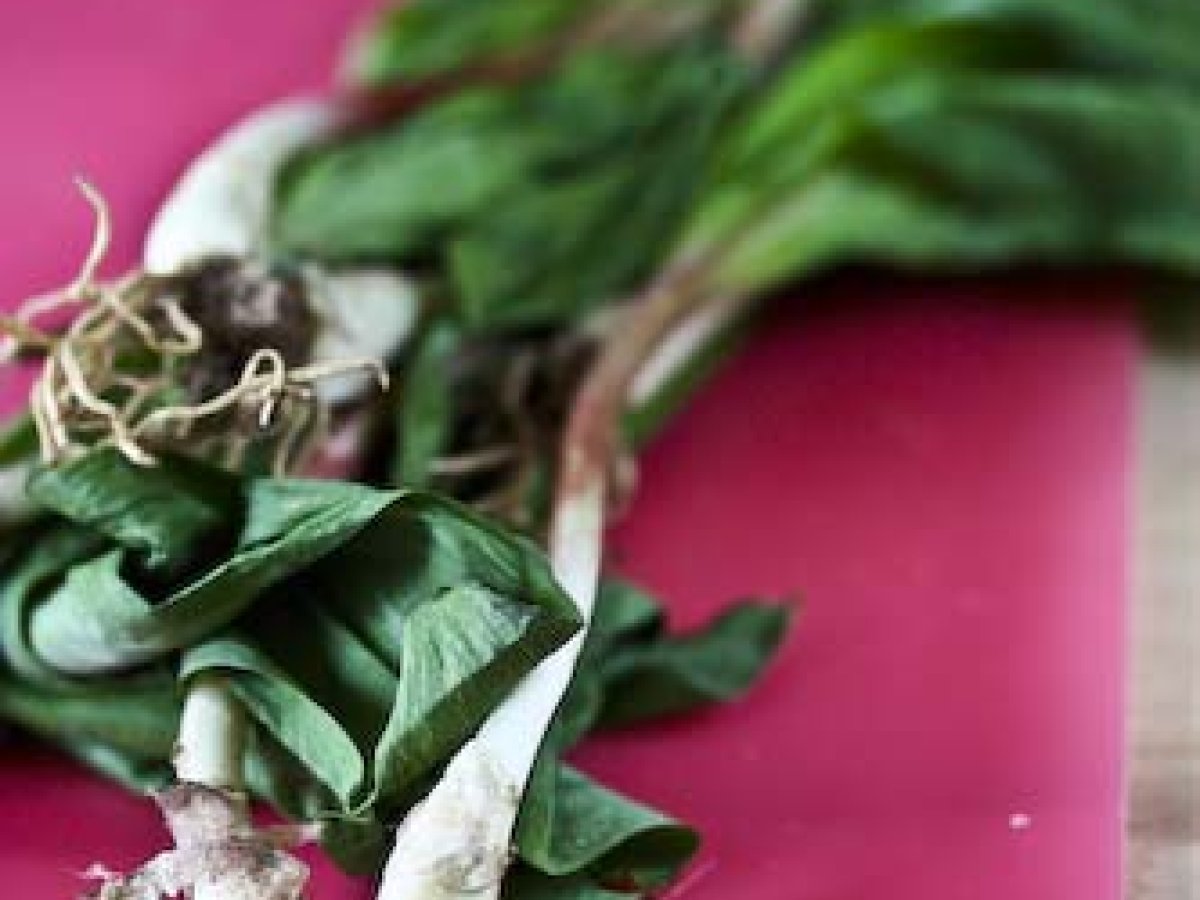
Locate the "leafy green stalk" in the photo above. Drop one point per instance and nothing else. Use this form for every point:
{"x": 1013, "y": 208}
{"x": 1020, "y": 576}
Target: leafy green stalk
{"x": 959, "y": 141}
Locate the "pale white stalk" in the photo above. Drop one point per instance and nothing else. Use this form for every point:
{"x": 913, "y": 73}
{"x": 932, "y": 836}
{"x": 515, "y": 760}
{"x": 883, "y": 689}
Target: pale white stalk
{"x": 478, "y": 797}
{"x": 221, "y": 207}
{"x": 512, "y": 735}
{"x": 369, "y": 314}
{"x": 680, "y": 346}
{"x": 211, "y": 737}
{"x": 209, "y": 749}
{"x": 218, "y": 854}
{"x": 676, "y": 351}
{"x": 222, "y": 204}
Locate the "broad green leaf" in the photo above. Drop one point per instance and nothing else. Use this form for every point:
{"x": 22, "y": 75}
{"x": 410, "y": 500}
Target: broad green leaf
{"x": 984, "y": 171}
{"x": 1150, "y": 38}
{"x": 632, "y": 669}
{"x": 535, "y": 258}
{"x": 44, "y": 554}
{"x": 974, "y": 137}
{"x": 513, "y": 191}
{"x": 357, "y": 844}
{"x": 367, "y": 727}
{"x": 140, "y": 774}
{"x": 166, "y": 511}
{"x": 396, "y": 192}
{"x": 673, "y": 675}
{"x": 281, "y": 705}
{"x": 785, "y": 126}
{"x": 956, "y": 135}
{"x": 95, "y": 619}
{"x": 136, "y": 715}
{"x": 570, "y": 824}
{"x": 623, "y": 616}
{"x": 367, "y": 634}
{"x": 460, "y": 654}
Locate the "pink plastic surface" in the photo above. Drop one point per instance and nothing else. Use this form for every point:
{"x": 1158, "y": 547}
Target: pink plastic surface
{"x": 940, "y": 473}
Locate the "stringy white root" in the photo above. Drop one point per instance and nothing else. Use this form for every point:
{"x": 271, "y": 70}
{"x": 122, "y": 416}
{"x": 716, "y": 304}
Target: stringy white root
{"x": 83, "y": 398}
{"x": 218, "y": 854}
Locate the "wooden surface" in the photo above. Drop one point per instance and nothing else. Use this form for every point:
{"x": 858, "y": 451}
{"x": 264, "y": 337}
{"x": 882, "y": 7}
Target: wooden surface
{"x": 1163, "y": 825}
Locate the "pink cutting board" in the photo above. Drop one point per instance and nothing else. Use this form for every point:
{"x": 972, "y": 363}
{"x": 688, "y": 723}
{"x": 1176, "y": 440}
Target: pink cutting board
{"x": 940, "y": 472}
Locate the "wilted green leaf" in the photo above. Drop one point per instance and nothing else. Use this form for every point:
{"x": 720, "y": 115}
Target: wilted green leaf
{"x": 97, "y": 618}
{"x": 367, "y": 633}
{"x": 166, "y": 512}
{"x": 570, "y": 824}
{"x": 44, "y": 554}
{"x": 135, "y": 715}
{"x": 396, "y": 192}
{"x": 677, "y": 674}
{"x": 631, "y": 670}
